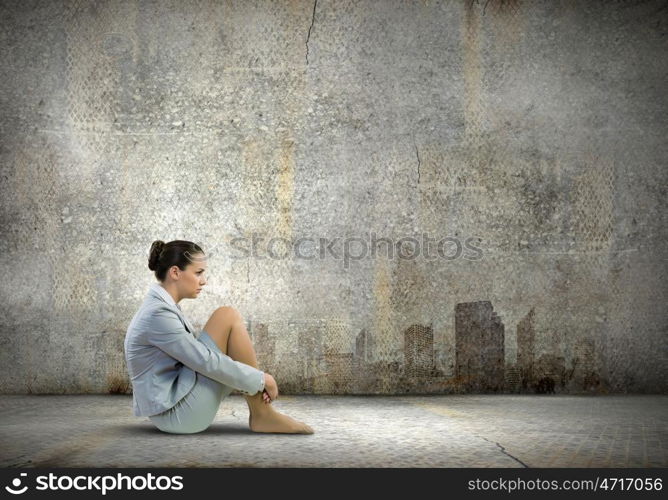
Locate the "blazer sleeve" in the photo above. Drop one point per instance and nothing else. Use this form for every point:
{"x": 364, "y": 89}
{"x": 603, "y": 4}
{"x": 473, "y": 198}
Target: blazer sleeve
{"x": 168, "y": 334}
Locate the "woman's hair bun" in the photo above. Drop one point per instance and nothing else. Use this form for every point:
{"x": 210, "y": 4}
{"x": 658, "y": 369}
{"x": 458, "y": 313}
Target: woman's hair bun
{"x": 173, "y": 253}
{"x": 154, "y": 254}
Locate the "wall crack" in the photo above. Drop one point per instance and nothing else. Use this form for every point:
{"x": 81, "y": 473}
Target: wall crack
{"x": 308, "y": 37}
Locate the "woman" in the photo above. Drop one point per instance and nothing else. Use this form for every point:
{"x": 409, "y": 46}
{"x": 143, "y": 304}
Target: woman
{"x": 179, "y": 380}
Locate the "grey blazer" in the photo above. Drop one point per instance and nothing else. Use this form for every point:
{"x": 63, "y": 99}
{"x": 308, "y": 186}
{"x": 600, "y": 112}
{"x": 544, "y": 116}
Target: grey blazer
{"x": 163, "y": 356}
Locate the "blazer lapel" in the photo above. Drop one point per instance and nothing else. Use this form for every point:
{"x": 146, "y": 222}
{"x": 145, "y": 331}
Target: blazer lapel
{"x": 187, "y": 324}
{"x": 159, "y": 294}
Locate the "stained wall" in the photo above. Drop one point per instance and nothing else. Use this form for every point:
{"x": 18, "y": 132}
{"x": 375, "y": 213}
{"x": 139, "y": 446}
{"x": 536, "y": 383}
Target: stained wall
{"x": 525, "y": 139}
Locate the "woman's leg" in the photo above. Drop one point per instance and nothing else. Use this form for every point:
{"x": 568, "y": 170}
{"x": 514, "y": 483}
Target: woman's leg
{"x": 195, "y": 412}
{"x": 227, "y": 328}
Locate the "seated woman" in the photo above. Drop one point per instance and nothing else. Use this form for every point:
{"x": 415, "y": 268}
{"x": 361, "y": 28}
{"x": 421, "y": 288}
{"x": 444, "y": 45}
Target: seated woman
{"x": 179, "y": 380}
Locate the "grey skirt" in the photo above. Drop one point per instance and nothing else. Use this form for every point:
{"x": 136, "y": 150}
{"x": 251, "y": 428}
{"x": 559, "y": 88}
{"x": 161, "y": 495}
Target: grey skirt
{"x": 196, "y": 411}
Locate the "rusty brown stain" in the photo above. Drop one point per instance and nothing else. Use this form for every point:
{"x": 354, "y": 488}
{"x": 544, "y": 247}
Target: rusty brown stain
{"x": 253, "y": 192}
{"x": 285, "y": 188}
{"x": 506, "y": 20}
{"x": 385, "y": 334}
{"x": 382, "y": 291}
{"x": 412, "y": 289}
{"x": 593, "y": 204}
{"x": 117, "y": 377}
{"x": 268, "y": 183}
{"x": 118, "y": 384}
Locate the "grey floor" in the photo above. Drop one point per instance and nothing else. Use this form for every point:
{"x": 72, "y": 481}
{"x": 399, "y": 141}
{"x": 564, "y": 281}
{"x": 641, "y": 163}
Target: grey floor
{"x": 350, "y": 431}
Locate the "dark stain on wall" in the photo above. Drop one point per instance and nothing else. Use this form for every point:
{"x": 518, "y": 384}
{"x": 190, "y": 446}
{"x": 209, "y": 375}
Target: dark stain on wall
{"x": 550, "y": 372}
{"x": 479, "y": 347}
{"x": 118, "y": 385}
{"x": 418, "y": 350}
{"x": 584, "y": 373}
{"x": 526, "y": 339}
{"x": 479, "y": 360}
{"x": 547, "y": 373}
{"x": 479, "y": 365}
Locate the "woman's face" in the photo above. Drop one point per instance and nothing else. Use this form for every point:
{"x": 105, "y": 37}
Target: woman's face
{"x": 193, "y": 278}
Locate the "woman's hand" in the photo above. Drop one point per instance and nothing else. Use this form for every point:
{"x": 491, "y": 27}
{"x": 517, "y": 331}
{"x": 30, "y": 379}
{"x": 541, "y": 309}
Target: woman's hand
{"x": 265, "y": 397}
{"x": 270, "y": 389}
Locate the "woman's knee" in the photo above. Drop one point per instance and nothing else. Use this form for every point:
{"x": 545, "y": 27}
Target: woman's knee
{"x": 227, "y": 313}
{"x": 223, "y": 316}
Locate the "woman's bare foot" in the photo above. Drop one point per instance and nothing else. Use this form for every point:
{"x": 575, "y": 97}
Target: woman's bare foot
{"x": 269, "y": 420}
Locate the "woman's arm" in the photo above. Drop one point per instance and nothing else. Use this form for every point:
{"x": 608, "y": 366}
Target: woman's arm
{"x": 167, "y": 333}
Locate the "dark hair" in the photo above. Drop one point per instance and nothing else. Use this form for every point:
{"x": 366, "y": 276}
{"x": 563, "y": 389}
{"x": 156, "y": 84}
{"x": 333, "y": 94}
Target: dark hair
{"x": 175, "y": 253}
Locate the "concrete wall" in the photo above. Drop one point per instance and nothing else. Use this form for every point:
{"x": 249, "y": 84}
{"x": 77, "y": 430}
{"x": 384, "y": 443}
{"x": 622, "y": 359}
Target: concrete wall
{"x": 526, "y": 139}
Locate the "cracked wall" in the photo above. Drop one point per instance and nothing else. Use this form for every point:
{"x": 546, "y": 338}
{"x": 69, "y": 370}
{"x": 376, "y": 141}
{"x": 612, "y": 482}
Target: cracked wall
{"x": 527, "y": 139}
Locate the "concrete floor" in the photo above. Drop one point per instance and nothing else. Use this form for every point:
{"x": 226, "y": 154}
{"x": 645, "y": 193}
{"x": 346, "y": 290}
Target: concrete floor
{"x": 350, "y": 431}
